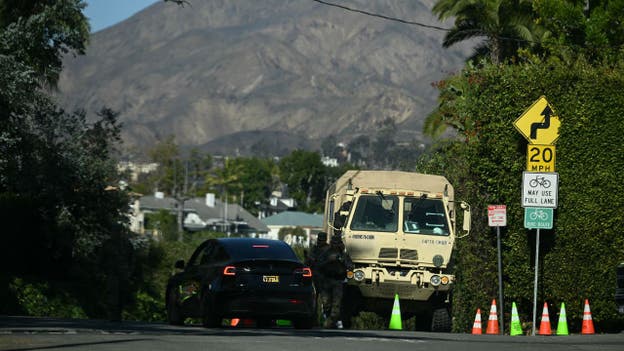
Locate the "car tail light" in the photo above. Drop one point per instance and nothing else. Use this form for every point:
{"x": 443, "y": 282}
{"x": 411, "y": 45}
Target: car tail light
{"x": 305, "y": 272}
{"x": 229, "y": 270}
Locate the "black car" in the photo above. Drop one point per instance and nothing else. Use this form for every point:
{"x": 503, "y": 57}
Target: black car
{"x": 258, "y": 279}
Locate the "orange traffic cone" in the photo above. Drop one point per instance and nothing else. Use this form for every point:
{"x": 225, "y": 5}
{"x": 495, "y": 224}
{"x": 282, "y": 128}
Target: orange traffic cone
{"x": 544, "y": 328}
{"x": 476, "y": 327}
{"x": 492, "y": 326}
{"x": 588, "y": 323}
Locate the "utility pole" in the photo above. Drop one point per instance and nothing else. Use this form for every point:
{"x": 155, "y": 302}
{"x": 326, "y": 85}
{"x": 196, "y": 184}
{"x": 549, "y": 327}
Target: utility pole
{"x": 180, "y": 200}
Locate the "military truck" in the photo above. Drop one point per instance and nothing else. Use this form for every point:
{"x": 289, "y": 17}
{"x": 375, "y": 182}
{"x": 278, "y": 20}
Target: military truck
{"x": 399, "y": 230}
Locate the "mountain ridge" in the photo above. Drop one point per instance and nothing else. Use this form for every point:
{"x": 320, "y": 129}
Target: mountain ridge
{"x": 211, "y": 72}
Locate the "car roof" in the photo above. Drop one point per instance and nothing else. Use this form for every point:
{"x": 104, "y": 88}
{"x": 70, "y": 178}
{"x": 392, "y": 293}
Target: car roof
{"x": 257, "y": 248}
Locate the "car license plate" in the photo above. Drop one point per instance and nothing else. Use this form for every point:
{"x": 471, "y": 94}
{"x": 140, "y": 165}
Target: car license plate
{"x": 270, "y": 278}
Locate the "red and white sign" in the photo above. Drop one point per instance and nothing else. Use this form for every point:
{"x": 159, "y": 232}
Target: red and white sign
{"x": 497, "y": 215}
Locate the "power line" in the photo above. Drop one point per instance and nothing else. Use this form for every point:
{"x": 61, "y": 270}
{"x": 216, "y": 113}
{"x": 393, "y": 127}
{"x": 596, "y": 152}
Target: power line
{"x": 389, "y": 18}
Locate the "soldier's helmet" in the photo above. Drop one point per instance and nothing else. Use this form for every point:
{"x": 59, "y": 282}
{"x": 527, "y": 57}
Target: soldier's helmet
{"x": 321, "y": 237}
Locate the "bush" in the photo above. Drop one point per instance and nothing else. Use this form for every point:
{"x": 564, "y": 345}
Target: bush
{"x": 39, "y": 300}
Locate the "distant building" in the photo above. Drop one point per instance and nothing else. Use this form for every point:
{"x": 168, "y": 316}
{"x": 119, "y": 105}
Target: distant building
{"x": 278, "y": 202}
{"x": 135, "y": 169}
{"x": 329, "y": 161}
{"x": 310, "y": 223}
{"x": 206, "y": 213}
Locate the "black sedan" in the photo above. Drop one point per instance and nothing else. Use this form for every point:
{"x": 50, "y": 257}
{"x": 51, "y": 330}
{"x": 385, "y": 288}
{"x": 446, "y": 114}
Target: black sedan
{"x": 242, "y": 278}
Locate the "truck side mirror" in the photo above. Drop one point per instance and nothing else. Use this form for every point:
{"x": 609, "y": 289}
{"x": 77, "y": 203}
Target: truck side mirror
{"x": 466, "y": 222}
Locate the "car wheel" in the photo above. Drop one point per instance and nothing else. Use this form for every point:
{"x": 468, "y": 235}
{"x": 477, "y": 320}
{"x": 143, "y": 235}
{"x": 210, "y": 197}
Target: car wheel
{"x": 174, "y": 315}
{"x": 210, "y": 319}
{"x": 303, "y": 323}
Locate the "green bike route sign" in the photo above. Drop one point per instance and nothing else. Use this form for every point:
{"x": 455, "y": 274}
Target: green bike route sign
{"x": 538, "y": 218}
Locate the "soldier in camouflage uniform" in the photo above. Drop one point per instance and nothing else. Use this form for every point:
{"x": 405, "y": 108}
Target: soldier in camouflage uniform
{"x": 333, "y": 265}
{"x": 313, "y": 258}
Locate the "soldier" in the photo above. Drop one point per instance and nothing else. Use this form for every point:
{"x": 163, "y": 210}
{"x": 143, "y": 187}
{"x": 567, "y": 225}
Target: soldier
{"x": 333, "y": 265}
{"x": 313, "y": 258}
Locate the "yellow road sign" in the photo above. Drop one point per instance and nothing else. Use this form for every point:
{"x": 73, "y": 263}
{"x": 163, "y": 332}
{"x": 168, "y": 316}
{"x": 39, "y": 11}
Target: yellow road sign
{"x": 540, "y": 158}
{"x": 539, "y": 124}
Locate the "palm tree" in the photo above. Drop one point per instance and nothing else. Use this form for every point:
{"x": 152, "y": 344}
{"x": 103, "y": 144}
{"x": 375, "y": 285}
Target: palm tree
{"x": 505, "y": 24}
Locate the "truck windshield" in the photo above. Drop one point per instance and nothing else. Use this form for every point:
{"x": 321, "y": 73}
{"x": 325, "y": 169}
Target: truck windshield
{"x": 377, "y": 213}
{"x": 424, "y": 216}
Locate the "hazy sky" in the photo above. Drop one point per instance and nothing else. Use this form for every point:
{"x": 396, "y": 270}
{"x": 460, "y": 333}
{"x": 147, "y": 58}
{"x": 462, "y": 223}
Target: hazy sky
{"x": 105, "y": 13}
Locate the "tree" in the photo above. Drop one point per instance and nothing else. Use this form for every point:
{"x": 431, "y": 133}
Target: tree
{"x": 593, "y": 29}
{"x": 505, "y": 24}
{"x": 304, "y": 173}
{"x": 38, "y": 33}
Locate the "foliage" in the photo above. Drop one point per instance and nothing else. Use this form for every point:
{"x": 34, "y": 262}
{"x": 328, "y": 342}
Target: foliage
{"x": 505, "y": 24}
{"x": 304, "y": 173}
{"x": 578, "y": 257}
{"x": 37, "y": 299}
{"x": 164, "y": 223}
{"x": 592, "y": 29}
{"x": 38, "y": 33}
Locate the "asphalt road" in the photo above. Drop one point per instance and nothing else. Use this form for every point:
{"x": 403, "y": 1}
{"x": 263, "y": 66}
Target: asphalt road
{"x": 23, "y": 333}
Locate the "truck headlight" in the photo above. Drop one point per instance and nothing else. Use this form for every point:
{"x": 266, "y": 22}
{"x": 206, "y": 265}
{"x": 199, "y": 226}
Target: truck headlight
{"x": 435, "y": 280}
{"x": 358, "y": 275}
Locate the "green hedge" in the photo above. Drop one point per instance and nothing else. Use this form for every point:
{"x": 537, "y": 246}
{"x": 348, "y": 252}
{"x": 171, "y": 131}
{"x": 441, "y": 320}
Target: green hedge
{"x": 578, "y": 257}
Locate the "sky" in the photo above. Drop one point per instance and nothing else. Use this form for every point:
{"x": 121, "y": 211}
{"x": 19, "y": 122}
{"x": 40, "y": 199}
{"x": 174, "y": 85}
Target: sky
{"x": 105, "y": 13}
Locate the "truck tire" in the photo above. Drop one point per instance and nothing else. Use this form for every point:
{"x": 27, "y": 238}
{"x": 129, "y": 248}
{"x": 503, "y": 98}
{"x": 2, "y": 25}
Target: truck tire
{"x": 441, "y": 321}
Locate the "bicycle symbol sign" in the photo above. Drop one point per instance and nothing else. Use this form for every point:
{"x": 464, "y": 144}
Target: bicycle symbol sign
{"x": 538, "y": 218}
{"x": 539, "y": 189}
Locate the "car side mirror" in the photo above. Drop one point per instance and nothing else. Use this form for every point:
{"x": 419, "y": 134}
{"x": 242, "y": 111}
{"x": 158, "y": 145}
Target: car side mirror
{"x": 179, "y": 264}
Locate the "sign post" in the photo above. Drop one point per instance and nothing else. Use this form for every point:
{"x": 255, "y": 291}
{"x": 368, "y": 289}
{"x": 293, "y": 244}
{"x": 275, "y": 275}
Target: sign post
{"x": 497, "y": 217}
{"x": 540, "y": 127}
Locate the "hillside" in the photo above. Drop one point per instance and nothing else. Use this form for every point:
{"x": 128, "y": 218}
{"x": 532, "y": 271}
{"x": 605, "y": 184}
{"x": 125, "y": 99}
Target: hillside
{"x": 219, "y": 71}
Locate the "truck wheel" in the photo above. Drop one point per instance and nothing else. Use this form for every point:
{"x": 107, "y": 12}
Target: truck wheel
{"x": 441, "y": 320}
{"x": 174, "y": 315}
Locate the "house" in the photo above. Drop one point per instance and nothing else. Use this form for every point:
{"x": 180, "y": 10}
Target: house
{"x": 310, "y": 223}
{"x": 206, "y": 213}
{"x": 278, "y": 202}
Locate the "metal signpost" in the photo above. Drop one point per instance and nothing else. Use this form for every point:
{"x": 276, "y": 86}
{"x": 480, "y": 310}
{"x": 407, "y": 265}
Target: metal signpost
{"x": 540, "y": 126}
{"x": 497, "y": 217}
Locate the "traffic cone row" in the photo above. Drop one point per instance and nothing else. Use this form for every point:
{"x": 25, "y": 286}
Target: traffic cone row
{"x": 544, "y": 329}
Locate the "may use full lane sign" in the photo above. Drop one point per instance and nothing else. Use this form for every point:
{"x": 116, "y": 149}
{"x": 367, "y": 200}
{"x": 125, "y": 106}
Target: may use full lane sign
{"x": 540, "y": 189}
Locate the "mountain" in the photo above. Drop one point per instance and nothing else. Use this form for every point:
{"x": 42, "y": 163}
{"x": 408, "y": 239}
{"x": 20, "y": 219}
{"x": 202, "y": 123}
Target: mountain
{"x": 230, "y": 75}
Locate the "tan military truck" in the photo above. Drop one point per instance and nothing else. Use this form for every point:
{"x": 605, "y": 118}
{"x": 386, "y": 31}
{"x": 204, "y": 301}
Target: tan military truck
{"x": 399, "y": 230}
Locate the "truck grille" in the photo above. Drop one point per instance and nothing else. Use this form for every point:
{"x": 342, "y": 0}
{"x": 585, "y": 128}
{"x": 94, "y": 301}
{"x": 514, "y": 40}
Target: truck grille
{"x": 409, "y": 255}
{"x": 387, "y": 252}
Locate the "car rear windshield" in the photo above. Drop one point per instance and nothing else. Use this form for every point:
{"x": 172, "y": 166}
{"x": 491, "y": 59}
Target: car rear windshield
{"x": 248, "y": 250}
